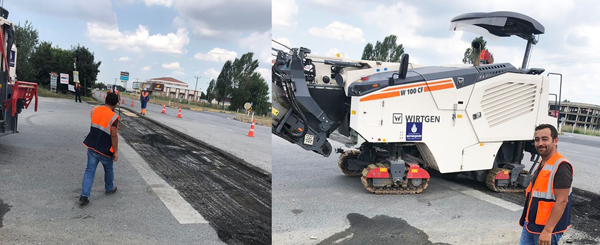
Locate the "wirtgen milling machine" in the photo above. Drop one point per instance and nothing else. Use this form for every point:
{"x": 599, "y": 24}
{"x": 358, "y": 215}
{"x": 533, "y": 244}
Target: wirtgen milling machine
{"x": 404, "y": 118}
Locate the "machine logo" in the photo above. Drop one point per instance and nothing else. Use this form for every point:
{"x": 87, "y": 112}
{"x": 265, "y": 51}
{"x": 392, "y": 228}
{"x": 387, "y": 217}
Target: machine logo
{"x": 461, "y": 80}
{"x": 414, "y": 131}
{"x": 397, "y": 118}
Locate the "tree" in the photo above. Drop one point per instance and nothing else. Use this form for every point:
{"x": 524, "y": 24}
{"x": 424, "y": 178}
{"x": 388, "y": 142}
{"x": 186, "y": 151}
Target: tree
{"x": 223, "y": 84}
{"x": 386, "y": 51}
{"x": 469, "y": 56}
{"x": 88, "y": 69}
{"x": 26, "y": 39}
{"x": 210, "y": 91}
{"x": 44, "y": 62}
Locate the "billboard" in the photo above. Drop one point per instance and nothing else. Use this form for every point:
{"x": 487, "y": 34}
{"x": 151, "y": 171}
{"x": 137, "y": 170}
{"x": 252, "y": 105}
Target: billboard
{"x": 64, "y": 78}
{"x": 158, "y": 87}
{"x": 75, "y": 76}
{"x": 136, "y": 85}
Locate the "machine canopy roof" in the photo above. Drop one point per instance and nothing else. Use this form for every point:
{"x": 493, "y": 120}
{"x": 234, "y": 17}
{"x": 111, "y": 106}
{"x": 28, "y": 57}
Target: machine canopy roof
{"x": 498, "y": 24}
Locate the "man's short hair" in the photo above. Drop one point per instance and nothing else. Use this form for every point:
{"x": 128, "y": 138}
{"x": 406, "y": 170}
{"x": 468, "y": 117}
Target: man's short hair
{"x": 111, "y": 99}
{"x": 553, "y": 131}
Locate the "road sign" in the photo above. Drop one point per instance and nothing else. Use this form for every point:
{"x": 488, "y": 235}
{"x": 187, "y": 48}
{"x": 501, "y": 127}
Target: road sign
{"x": 124, "y": 76}
{"x": 75, "y": 76}
{"x": 64, "y": 78}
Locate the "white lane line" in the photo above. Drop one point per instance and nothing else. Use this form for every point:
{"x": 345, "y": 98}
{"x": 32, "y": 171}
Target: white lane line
{"x": 229, "y": 130}
{"x": 211, "y": 125}
{"x": 181, "y": 210}
{"x": 484, "y": 197}
{"x": 576, "y": 152}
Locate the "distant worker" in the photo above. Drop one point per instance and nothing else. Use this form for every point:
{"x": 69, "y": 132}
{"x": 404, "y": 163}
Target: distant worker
{"x": 547, "y": 212}
{"x": 486, "y": 57}
{"x": 77, "y": 92}
{"x": 102, "y": 143}
{"x": 144, "y": 98}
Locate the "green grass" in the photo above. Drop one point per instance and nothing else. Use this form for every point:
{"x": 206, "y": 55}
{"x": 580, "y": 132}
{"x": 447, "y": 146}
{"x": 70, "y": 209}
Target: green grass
{"x": 45, "y": 92}
{"x": 579, "y": 130}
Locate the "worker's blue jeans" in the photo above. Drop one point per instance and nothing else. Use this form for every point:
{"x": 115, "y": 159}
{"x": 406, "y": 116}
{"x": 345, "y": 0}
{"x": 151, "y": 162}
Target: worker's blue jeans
{"x": 532, "y": 239}
{"x": 90, "y": 172}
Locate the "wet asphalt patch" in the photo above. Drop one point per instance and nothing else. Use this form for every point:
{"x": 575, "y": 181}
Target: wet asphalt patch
{"x": 4, "y": 208}
{"x": 233, "y": 197}
{"x": 380, "y": 229}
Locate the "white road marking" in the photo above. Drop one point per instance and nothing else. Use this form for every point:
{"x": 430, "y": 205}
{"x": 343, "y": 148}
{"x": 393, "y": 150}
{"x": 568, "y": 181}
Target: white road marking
{"x": 229, "y": 130}
{"x": 484, "y": 197}
{"x": 576, "y": 152}
{"x": 181, "y": 210}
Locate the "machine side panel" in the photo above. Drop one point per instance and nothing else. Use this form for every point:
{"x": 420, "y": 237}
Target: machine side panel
{"x": 480, "y": 156}
{"x": 542, "y": 117}
{"x": 446, "y": 99}
{"x": 415, "y": 118}
{"x": 505, "y": 107}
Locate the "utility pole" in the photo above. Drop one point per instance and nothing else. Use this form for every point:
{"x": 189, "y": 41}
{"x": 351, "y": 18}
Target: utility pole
{"x": 196, "y": 89}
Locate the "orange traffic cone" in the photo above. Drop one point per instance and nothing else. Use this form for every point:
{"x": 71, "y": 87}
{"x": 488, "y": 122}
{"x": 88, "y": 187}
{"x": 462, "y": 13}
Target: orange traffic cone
{"x": 131, "y": 103}
{"x": 104, "y": 96}
{"x": 179, "y": 114}
{"x": 164, "y": 109}
{"x": 251, "y": 132}
{"x": 123, "y": 101}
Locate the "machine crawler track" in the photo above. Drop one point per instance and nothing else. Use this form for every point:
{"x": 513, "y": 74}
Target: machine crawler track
{"x": 491, "y": 182}
{"x": 405, "y": 188}
{"x": 349, "y": 154}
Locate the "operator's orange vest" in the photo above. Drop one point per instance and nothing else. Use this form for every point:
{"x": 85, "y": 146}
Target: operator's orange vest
{"x": 99, "y": 138}
{"x": 542, "y": 199}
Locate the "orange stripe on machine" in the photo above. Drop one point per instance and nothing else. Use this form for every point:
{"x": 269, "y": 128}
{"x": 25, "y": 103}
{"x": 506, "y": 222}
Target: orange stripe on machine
{"x": 410, "y": 89}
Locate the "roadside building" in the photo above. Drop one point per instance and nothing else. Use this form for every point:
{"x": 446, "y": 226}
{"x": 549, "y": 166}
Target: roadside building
{"x": 171, "y": 88}
{"x": 578, "y": 114}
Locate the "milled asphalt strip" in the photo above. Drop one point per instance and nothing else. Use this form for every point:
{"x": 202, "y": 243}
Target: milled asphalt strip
{"x": 482, "y": 196}
{"x": 183, "y": 212}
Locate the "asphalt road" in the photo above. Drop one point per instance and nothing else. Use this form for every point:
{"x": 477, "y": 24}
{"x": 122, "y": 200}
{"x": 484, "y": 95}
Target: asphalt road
{"x": 218, "y": 129}
{"x": 41, "y": 170}
{"x": 313, "y": 202}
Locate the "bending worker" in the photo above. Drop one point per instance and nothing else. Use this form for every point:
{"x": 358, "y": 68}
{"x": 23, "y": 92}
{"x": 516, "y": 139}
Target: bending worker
{"x": 547, "y": 212}
{"x": 144, "y": 98}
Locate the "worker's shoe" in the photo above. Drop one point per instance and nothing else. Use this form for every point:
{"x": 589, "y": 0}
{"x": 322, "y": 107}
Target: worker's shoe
{"x": 83, "y": 201}
{"x": 111, "y": 192}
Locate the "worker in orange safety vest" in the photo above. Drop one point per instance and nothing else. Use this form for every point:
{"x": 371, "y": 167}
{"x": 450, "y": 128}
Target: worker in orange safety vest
{"x": 102, "y": 143}
{"x": 77, "y": 92}
{"x": 547, "y": 212}
{"x": 486, "y": 57}
{"x": 144, "y": 98}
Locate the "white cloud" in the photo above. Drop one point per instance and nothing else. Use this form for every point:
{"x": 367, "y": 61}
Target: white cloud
{"x": 399, "y": 19}
{"x": 332, "y": 52}
{"x": 89, "y": 11}
{"x": 125, "y": 58}
{"x": 171, "y": 66}
{"x": 283, "y": 13}
{"x": 217, "y": 55}
{"x": 211, "y": 73}
{"x": 140, "y": 40}
{"x": 260, "y": 45}
{"x": 225, "y": 19}
{"x": 178, "y": 22}
{"x": 339, "y": 31}
{"x": 145, "y": 68}
{"x": 283, "y": 40}
{"x": 265, "y": 73}
{"x": 178, "y": 73}
{"x": 167, "y": 3}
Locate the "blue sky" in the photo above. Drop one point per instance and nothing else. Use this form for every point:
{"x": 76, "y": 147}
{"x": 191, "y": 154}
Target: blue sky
{"x": 155, "y": 38}
{"x": 569, "y": 45}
